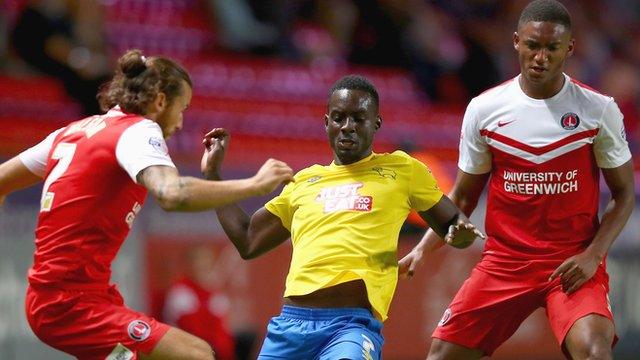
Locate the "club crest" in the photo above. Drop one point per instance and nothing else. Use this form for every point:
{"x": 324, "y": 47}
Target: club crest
{"x": 569, "y": 121}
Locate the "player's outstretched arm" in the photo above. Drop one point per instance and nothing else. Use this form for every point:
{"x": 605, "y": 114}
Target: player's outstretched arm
{"x": 182, "y": 193}
{"x": 14, "y": 175}
{"x": 464, "y": 195}
{"x": 263, "y": 231}
{"x": 578, "y": 269}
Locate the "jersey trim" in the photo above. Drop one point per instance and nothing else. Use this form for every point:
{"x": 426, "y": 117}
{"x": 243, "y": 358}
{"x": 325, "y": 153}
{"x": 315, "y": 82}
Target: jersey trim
{"x": 543, "y": 149}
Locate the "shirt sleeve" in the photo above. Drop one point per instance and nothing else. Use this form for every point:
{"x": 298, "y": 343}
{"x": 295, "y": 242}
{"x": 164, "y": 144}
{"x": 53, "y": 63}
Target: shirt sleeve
{"x": 610, "y": 146}
{"x": 424, "y": 188}
{"x": 35, "y": 158}
{"x": 280, "y": 206}
{"x": 475, "y": 157}
{"x": 141, "y": 146}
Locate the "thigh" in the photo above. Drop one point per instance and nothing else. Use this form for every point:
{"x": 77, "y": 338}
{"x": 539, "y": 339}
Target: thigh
{"x": 442, "y": 350}
{"x": 91, "y": 325}
{"x": 359, "y": 338}
{"x": 285, "y": 339}
{"x": 486, "y": 311}
{"x": 592, "y": 298}
{"x": 177, "y": 344}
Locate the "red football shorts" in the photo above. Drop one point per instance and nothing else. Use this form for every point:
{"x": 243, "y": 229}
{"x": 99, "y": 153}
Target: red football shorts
{"x": 494, "y": 301}
{"x": 91, "y": 324}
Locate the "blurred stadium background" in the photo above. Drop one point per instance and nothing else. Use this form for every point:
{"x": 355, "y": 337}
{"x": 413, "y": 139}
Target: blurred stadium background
{"x": 262, "y": 69}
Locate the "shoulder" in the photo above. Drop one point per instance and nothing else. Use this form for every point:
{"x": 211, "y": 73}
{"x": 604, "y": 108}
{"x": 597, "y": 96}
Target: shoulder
{"x": 142, "y": 127}
{"x": 586, "y": 95}
{"x": 494, "y": 97}
{"x": 308, "y": 173}
{"x": 399, "y": 156}
{"x": 142, "y": 131}
{"x": 397, "y": 159}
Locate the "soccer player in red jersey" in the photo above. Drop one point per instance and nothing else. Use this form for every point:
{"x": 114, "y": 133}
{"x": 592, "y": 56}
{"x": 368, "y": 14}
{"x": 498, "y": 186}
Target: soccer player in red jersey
{"x": 96, "y": 173}
{"x": 541, "y": 141}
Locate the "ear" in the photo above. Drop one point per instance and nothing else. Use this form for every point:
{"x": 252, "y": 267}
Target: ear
{"x": 326, "y": 122}
{"x": 571, "y": 47}
{"x": 378, "y": 123}
{"x": 516, "y": 41}
{"x": 161, "y": 101}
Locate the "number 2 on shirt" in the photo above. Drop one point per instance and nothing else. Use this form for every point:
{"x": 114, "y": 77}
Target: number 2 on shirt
{"x": 64, "y": 153}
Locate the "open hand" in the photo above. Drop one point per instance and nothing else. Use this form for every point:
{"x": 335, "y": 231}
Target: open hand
{"x": 462, "y": 234}
{"x": 575, "y": 271}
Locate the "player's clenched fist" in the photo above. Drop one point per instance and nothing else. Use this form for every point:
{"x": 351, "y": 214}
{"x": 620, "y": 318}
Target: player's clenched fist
{"x": 272, "y": 173}
{"x": 216, "y": 143}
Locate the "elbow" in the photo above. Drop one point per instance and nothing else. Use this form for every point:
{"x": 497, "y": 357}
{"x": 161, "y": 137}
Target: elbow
{"x": 248, "y": 253}
{"x": 170, "y": 201}
{"x": 245, "y": 255}
{"x": 246, "y": 249}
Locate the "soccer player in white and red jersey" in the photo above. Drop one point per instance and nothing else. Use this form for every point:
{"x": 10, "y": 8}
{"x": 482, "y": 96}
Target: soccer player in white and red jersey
{"x": 97, "y": 172}
{"x": 541, "y": 140}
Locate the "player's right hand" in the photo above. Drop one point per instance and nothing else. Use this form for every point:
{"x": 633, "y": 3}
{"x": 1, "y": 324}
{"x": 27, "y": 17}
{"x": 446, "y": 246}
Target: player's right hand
{"x": 272, "y": 173}
{"x": 215, "y": 144}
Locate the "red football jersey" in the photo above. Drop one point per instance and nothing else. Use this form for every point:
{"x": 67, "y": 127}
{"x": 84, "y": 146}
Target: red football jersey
{"x": 90, "y": 197}
{"x": 544, "y": 157}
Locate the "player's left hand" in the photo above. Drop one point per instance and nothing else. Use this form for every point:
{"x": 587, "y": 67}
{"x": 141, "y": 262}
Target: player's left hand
{"x": 575, "y": 271}
{"x": 462, "y": 234}
{"x": 215, "y": 144}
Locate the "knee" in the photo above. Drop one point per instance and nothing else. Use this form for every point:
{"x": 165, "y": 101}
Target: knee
{"x": 201, "y": 350}
{"x": 596, "y": 350}
{"x": 436, "y": 352}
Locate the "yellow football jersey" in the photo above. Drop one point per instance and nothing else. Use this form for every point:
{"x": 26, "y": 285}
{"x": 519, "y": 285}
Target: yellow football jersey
{"x": 345, "y": 221}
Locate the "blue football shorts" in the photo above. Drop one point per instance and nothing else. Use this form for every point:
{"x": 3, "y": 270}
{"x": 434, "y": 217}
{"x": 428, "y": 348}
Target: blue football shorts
{"x": 324, "y": 334}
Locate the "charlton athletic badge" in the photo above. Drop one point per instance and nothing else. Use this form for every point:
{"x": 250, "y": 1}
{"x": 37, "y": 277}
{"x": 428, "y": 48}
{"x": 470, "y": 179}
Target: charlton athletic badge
{"x": 139, "y": 330}
{"x": 569, "y": 121}
{"x": 445, "y": 317}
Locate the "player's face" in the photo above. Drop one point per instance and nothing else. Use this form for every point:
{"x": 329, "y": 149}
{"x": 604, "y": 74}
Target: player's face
{"x": 170, "y": 119}
{"x": 542, "y": 50}
{"x": 351, "y": 121}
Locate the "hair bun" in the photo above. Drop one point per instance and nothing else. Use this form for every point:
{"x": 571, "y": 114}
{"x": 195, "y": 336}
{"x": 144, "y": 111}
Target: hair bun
{"x": 132, "y": 63}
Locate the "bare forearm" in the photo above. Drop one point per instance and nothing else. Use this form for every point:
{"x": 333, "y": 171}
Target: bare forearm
{"x": 621, "y": 184}
{"x": 613, "y": 221}
{"x": 432, "y": 241}
{"x": 192, "y": 194}
{"x": 15, "y": 176}
{"x": 235, "y": 223}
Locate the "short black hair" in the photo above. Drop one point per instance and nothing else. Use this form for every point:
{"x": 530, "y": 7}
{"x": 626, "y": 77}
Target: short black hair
{"x": 356, "y": 82}
{"x": 545, "y": 10}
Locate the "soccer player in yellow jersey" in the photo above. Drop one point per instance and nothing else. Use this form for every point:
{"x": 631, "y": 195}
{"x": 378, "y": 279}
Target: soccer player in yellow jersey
{"x": 343, "y": 220}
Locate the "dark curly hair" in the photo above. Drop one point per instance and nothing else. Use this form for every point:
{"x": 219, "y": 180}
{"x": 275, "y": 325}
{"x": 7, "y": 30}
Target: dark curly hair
{"x": 139, "y": 79}
{"x": 356, "y": 82}
{"x": 545, "y": 10}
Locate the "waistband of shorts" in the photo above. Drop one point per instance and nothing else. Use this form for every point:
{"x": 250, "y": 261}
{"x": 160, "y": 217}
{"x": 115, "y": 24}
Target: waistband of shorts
{"x": 72, "y": 287}
{"x": 305, "y": 313}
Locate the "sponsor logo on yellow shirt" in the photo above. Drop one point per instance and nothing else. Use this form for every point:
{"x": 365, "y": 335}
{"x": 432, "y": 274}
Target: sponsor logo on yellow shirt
{"x": 344, "y": 197}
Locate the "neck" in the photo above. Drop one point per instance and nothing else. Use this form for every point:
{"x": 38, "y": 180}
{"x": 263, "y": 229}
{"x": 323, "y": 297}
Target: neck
{"x": 347, "y": 160}
{"x": 542, "y": 91}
